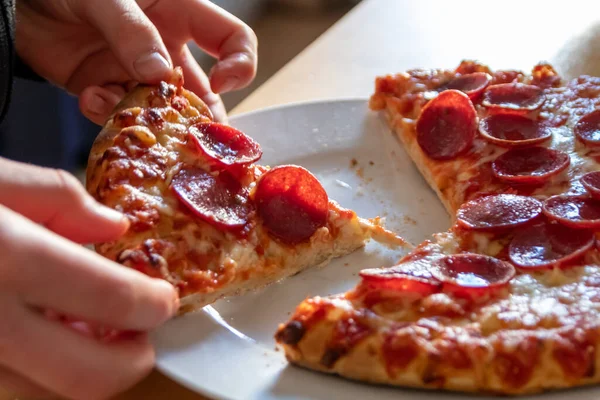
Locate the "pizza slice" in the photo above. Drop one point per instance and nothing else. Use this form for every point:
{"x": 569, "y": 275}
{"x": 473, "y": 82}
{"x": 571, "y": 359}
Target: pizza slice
{"x": 204, "y": 216}
{"x": 507, "y": 301}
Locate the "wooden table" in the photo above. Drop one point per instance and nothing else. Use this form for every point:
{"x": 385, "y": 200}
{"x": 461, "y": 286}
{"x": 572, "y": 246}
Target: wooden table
{"x": 385, "y": 36}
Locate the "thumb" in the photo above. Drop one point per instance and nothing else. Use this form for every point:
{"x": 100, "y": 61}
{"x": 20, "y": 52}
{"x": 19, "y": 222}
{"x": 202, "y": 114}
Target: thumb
{"x": 132, "y": 37}
{"x": 57, "y": 200}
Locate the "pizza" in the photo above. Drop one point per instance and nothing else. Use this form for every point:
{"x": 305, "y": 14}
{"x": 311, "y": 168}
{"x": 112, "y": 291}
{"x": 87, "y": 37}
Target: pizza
{"x": 203, "y": 215}
{"x": 507, "y": 301}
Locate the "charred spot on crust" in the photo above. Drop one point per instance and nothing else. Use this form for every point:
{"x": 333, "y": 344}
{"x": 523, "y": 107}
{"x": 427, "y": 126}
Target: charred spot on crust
{"x": 292, "y": 333}
{"x": 330, "y": 357}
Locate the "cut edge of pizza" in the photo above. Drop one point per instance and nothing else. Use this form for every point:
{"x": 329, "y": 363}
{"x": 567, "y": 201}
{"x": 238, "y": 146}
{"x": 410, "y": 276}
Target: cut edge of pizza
{"x": 203, "y": 215}
{"x": 506, "y": 301}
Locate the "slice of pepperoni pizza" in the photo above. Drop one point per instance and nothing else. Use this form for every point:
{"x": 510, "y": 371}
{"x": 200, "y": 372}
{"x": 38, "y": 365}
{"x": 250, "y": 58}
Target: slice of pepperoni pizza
{"x": 203, "y": 215}
{"x": 508, "y": 300}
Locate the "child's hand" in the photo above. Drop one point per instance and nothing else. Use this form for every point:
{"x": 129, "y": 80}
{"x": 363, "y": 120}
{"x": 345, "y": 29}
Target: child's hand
{"x": 94, "y": 47}
{"x": 43, "y": 273}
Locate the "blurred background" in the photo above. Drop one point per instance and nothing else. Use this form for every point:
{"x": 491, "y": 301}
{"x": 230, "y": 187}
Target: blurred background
{"x": 60, "y": 137}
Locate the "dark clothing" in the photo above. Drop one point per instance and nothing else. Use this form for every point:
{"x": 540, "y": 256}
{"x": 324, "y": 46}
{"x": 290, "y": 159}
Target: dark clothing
{"x": 7, "y": 54}
{"x": 10, "y": 64}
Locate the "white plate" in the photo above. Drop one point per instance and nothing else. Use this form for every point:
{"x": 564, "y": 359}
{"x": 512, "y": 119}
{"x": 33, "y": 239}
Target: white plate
{"x": 227, "y": 350}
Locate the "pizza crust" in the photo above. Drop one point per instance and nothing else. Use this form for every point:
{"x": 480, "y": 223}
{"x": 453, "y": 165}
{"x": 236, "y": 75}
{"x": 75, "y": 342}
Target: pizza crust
{"x": 318, "y": 256}
{"x": 428, "y": 370}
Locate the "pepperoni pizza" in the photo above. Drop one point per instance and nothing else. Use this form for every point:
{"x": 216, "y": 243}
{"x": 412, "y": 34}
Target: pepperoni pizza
{"x": 508, "y": 300}
{"x": 202, "y": 214}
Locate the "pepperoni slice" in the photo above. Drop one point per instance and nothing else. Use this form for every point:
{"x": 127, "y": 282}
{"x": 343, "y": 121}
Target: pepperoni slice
{"x": 573, "y": 211}
{"x": 513, "y": 97}
{"x": 412, "y": 277}
{"x": 472, "y": 84}
{"x": 591, "y": 182}
{"x": 224, "y": 144}
{"x": 587, "y": 128}
{"x": 545, "y": 245}
{"x": 217, "y": 200}
{"x": 292, "y": 203}
{"x": 531, "y": 165}
{"x": 469, "y": 274}
{"x": 512, "y": 130}
{"x": 447, "y": 125}
{"x": 498, "y": 212}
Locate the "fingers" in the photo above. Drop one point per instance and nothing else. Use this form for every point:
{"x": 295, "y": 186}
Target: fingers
{"x": 97, "y": 103}
{"x": 88, "y": 74}
{"x": 49, "y": 272}
{"x": 132, "y": 36}
{"x": 230, "y": 40}
{"x": 237, "y": 63}
{"x": 197, "y": 82}
{"x": 68, "y": 363}
{"x": 57, "y": 200}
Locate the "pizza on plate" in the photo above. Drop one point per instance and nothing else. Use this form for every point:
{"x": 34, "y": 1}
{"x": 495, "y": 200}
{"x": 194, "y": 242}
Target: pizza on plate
{"x": 508, "y": 299}
{"x": 203, "y": 215}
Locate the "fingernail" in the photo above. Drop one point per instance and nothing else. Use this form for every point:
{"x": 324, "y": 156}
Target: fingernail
{"x": 97, "y": 105}
{"x": 152, "y": 66}
{"x": 229, "y": 84}
{"x": 168, "y": 287}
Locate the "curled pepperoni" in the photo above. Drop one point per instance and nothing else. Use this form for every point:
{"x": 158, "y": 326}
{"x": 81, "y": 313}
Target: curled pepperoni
{"x": 412, "y": 277}
{"x": 498, "y": 212}
{"x": 511, "y": 130}
{"x": 513, "y": 97}
{"x": 468, "y": 273}
{"x": 292, "y": 203}
{"x": 530, "y": 165}
{"x": 549, "y": 244}
{"x": 224, "y": 144}
{"x": 591, "y": 182}
{"x": 573, "y": 211}
{"x": 447, "y": 125}
{"x": 217, "y": 200}
{"x": 470, "y": 84}
{"x": 587, "y": 128}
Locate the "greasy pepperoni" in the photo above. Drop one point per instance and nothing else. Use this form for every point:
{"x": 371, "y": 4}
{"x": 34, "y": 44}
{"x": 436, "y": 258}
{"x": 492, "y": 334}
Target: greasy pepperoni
{"x": 588, "y": 128}
{"x": 447, "y": 125}
{"x": 498, "y": 212}
{"x": 548, "y": 244}
{"x": 591, "y": 182}
{"x": 217, "y": 200}
{"x": 513, "y": 97}
{"x": 530, "y": 165}
{"x": 224, "y": 144}
{"x": 511, "y": 130}
{"x": 412, "y": 277}
{"x": 573, "y": 211}
{"x": 470, "y": 84}
{"x": 471, "y": 274}
{"x": 291, "y": 203}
